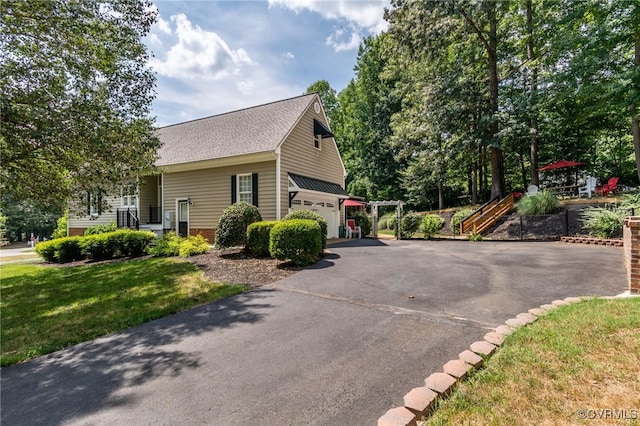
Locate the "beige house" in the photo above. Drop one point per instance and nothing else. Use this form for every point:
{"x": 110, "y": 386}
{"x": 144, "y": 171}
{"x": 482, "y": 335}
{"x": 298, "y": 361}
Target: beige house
{"x": 279, "y": 156}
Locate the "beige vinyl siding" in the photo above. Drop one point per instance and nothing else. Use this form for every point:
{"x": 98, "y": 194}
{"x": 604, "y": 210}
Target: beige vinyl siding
{"x": 210, "y": 192}
{"x": 147, "y": 196}
{"x": 105, "y": 218}
{"x": 299, "y": 156}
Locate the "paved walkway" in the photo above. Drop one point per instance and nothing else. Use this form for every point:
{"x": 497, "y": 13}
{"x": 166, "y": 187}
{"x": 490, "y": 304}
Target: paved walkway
{"x": 338, "y": 343}
{"x": 16, "y": 250}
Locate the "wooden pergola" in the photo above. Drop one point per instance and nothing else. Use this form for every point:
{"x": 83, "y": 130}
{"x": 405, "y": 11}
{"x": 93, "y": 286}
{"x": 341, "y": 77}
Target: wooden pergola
{"x": 374, "y": 213}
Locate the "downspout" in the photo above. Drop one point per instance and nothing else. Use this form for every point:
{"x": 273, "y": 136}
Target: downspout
{"x": 278, "y": 186}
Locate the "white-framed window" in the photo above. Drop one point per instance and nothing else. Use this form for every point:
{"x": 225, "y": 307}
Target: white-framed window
{"x": 94, "y": 204}
{"x": 129, "y": 200}
{"x": 317, "y": 142}
{"x": 245, "y": 188}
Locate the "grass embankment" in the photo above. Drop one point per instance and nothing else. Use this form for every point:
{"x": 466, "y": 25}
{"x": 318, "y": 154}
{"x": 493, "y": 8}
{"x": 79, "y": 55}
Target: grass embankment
{"x": 579, "y": 364}
{"x": 46, "y": 308}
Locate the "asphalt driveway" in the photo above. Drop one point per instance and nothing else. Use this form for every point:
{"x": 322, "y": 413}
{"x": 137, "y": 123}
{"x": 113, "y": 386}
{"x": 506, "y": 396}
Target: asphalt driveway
{"x": 338, "y": 343}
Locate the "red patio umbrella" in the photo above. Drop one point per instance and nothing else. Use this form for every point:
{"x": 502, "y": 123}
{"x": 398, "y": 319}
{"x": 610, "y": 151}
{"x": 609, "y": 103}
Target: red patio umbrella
{"x": 562, "y": 164}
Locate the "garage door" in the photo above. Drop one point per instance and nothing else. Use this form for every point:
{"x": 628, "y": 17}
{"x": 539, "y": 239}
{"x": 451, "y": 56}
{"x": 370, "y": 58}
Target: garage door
{"x": 327, "y": 208}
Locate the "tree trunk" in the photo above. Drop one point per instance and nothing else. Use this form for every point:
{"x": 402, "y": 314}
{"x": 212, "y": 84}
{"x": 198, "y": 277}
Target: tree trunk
{"x": 474, "y": 182}
{"x": 440, "y": 196}
{"x": 533, "y": 91}
{"x": 635, "y": 123}
{"x": 497, "y": 160}
{"x": 523, "y": 168}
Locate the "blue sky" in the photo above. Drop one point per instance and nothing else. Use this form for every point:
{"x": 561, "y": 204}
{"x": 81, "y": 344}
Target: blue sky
{"x": 212, "y": 57}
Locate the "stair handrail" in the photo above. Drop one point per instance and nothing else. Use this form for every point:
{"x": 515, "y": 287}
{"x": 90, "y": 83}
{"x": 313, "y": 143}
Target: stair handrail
{"x": 468, "y": 221}
{"x": 492, "y": 215}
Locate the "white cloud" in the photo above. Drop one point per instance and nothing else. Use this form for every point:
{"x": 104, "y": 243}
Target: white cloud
{"x": 342, "y": 40}
{"x": 198, "y": 54}
{"x": 162, "y": 26}
{"x": 360, "y": 16}
{"x": 245, "y": 87}
{"x": 288, "y": 57}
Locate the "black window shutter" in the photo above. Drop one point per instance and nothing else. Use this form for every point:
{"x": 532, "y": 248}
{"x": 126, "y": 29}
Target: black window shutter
{"x": 254, "y": 189}
{"x": 99, "y": 204}
{"x": 89, "y": 203}
{"x": 233, "y": 189}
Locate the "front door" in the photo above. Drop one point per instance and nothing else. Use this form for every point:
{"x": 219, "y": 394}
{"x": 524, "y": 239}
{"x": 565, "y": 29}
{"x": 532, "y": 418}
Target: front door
{"x": 183, "y": 218}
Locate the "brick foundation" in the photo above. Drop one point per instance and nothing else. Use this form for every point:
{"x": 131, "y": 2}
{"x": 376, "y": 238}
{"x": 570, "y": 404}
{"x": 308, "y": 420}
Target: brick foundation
{"x": 612, "y": 242}
{"x": 631, "y": 238}
{"x": 74, "y": 232}
{"x": 209, "y": 234}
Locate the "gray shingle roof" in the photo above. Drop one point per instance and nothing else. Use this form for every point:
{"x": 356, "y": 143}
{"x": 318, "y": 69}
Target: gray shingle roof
{"x": 256, "y": 129}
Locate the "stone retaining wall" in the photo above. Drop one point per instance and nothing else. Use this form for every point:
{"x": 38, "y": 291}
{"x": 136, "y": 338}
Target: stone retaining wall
{"x": 631, "y": 238}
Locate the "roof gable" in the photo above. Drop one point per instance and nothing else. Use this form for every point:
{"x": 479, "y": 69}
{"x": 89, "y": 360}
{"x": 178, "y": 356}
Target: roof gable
{"x": 247, "y": 131}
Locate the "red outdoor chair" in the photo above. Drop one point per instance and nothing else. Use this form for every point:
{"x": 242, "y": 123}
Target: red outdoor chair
{"x": 610, "y": 187}
{"x": 353, "y": 229}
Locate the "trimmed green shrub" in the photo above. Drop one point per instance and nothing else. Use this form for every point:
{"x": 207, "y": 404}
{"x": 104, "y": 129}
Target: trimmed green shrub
{"x": 311, "y": 215}
{"x": 232, "y": 225}
{"x": 99, "y": 246}
{"x": 387, "y": 220}
{"x": 409, "y": 224}
{"x": 168, "y": 245}
{"x": 101, "y": 229}
{"x": 258, "y": 237}
{"x": 544, "y": 202}
{"x": 392, "y": 224}
{"x": 298, "y": 240}
{"x": 47, "y": 250}
{"x": 193, "y": 245}
{"x": 458, "y": 217}
{"x": 363, "y": 221}
{"x": 69, "y": 249}
{"x": 603, "y": 223}
{"x": 431, "y": 224}
{"x": 135, "y": 243}
{"x": 173, "y": 245}
{"x": 123, "y": 242}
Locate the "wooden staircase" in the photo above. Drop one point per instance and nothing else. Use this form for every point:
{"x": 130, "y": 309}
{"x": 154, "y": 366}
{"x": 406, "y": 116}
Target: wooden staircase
{"x": 486, "y": 216}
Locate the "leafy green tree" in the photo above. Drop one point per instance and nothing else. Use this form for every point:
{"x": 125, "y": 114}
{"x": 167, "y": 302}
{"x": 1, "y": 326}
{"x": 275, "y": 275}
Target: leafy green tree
{"x": 25, "y": 218}
{"x": 362, "y": 125}
{"x": 75, "y": 92}
{"x": 3, "y": 231}
{"x": 446, "y": 36}
{"x": 327, "y": 95}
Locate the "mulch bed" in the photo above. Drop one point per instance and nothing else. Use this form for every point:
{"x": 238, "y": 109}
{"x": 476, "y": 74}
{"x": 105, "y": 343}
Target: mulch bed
{"x": 237, "y": 267}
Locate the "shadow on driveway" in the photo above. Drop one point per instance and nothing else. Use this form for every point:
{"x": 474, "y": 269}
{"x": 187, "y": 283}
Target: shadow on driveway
{"x": 86, "y": 378}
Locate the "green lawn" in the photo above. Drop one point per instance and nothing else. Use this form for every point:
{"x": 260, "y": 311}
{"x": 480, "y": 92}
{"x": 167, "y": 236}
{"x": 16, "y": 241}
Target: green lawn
{"x": 46, "y": 308}
{"x": 579, "y": 364}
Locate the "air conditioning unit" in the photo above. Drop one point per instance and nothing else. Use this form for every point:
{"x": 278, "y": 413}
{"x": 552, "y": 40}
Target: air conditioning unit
{"x": 168, "y": 220}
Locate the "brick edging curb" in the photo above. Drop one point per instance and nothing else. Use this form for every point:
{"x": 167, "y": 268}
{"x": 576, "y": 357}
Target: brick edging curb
{"x": 611, "y": 242}
{"x": 420, "y": 402}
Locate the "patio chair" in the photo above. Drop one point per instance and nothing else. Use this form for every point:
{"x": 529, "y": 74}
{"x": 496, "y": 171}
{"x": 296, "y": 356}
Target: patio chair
{"x": 532, "y": 190}
{"x": 589, "y": 188}
{"x": 353, "y": 229}
{"x": 611, "y": 187}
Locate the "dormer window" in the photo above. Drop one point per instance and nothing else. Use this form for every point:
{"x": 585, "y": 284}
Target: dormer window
{"x": 319, "y": 132}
